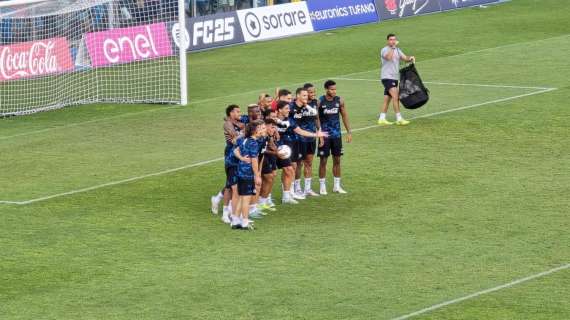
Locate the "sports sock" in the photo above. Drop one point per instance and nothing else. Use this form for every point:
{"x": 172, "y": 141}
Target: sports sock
{"x": 262, "y": 200}
{"x": 297, "y": 186}
{"x": 399, "y": 116}
{"x": 286, "y": 195}
{"x": 308, "y": 184}
{"x": 219, "y": 196}
{"x": 226, "y": 210}
{"x": 323, "y": 182}
{"x": 382, "y": 116}
{"x": 336, "y": 182}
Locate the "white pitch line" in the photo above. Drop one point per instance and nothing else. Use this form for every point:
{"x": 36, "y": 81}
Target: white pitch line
{"x": 480, "y": 293}
{"x": 260, "y": 90}
{"x": 220, "y": 159}
{"x": 467, "y": 107}
{"x": 113, "y": 183}
{"x": 458, "y": 84}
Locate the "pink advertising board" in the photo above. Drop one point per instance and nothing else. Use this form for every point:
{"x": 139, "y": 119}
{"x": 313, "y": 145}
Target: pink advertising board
{"x": 124, "y": 45}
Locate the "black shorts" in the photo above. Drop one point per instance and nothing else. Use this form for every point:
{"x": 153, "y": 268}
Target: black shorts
{"x": 283, "y": 163}
{"x": 389, "y": 84}
{"x": 331, "y": 145}
{"x": 295, "y": 152}
{"x": 231, "y": 177}
{"x": 269, "y": 164}
{"x": 246, "y": 187}
{"x": 306, "y": 148}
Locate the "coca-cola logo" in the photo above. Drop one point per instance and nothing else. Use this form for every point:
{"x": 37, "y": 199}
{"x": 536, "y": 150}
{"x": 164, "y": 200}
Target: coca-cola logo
{"x": 30, "y": 59}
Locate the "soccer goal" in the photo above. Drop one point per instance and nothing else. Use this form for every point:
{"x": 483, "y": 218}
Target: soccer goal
{"x": 70, "y": 52}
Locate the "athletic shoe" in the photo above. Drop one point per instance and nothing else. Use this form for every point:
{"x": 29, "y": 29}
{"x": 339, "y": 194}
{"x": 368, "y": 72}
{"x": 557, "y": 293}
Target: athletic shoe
{"x": 311, "y": 193}
{"x": 256, "y": 215}
{"x": 402, "y": 122}
{"x": 298, "y": 196}
{"x": 339, "y": 190}
{"x": 323, "y": 191}
{"x": 265, "y": 206}
{"x": 215, "y": 205}
{"x": 249, "y": 227}
{"x": 385, "y": 123}
{"x": 290, "y": 201}
{"x": 226, "y": 219}
{"x": 270, "y": 203}
{"x": 235, "y": 226}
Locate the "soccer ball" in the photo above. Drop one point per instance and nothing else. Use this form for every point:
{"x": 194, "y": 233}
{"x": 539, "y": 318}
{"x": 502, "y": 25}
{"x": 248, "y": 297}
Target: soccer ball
{"x": 284, "y": 152}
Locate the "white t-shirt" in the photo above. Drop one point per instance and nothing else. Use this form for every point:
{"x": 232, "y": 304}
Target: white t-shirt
{"x": 391, "y": 68}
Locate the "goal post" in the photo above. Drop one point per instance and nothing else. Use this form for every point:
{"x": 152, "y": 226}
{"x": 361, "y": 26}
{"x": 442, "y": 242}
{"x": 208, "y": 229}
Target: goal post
{"x": 62, "y": 53}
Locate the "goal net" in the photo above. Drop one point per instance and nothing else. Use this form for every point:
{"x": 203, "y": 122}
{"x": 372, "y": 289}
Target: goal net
{"x": 69, "y": 52}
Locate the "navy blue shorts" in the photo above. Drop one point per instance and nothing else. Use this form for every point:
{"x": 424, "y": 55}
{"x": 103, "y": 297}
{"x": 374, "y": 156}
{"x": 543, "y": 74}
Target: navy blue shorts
{"x": 231, "y": 177}
{"x": 389, "y": 84}
{"x": 331, "y": 146}
{"x": 269, "y": 164}
{"x": 246, "y": 187}
{"x": 295, "y": 152}
{"x": 306, "y": 148}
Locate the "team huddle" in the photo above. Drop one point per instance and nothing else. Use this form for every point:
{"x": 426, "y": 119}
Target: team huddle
{"x": 281, "y": 134}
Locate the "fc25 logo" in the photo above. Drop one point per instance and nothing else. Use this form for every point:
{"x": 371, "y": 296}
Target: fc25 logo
{"x": 213, "y": 31}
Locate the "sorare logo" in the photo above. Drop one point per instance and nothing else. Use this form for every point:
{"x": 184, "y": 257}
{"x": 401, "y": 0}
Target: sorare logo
{"x": 275, "y": 21}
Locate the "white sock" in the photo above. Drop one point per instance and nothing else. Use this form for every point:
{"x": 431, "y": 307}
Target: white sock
{"x": 270, "y": 198}
{"x": 262, "y": 200}
{"x": 308, "y": 182}
{"x": 382, "y": 116}
{"x": 297, "y": 186}
{"x": 219, "y": 196}
{"x": 323, "y": 182}
{"x": 226, "y": 210}
{"x": 399, "y": 116}
{"x": 336, "y": 182}
{"x": 286, "y": 195}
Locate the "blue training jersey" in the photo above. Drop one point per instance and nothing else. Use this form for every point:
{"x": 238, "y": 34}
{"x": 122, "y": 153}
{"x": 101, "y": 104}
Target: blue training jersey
{"x": 329, "y": 115}
{"x": 230, "y": 160}
{"x": 306, "y": 119}
{"x": 286, "y": 129}
{"x": 249, "y": 147}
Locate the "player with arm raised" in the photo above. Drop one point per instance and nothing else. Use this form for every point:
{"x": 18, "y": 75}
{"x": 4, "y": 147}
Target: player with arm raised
{"x": 390, "y": 75}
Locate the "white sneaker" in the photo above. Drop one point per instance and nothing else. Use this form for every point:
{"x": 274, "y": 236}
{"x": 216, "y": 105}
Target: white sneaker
{"x": 215, "y": 205}
{"x": 289, "y": 201}
{"x": 339, "y": 190}
{"x": 270, "y": 203}
{"x": 323, "y": 191}
{"x": 311, "y": 193}
{"x": 298, "y": 196}
{"x": 226, "y": 219}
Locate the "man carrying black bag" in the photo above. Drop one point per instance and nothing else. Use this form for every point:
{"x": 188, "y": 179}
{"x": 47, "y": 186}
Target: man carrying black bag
{"x": 391, "y": 56}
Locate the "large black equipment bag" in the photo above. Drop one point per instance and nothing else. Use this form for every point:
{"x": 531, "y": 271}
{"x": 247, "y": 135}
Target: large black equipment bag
{"x": 413, "y": 93}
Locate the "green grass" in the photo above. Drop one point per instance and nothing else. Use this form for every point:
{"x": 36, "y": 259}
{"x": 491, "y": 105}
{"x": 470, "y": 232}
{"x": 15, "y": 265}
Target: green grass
{"x": 451, "y": 205}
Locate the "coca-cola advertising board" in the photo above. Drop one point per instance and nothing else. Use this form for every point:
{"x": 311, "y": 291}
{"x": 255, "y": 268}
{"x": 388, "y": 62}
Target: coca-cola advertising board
{"x": 34, "y": 59}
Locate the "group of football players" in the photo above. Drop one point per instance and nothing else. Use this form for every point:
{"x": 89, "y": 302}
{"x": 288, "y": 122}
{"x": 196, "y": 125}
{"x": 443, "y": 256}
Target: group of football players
{"x": 282, "y": 133}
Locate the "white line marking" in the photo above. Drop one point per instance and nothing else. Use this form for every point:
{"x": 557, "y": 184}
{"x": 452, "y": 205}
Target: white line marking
{"x": 458, "y": 84}
{"x": 467, "y": 107}
{"x": 113, "y": 183}
{"x": 264, "y": 89}
{"x": 220, "y": 159}
{"x": 480, "y": 293}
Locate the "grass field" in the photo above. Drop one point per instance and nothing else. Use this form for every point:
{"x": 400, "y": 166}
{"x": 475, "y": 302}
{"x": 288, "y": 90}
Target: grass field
{"x": 104, "y": 209}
